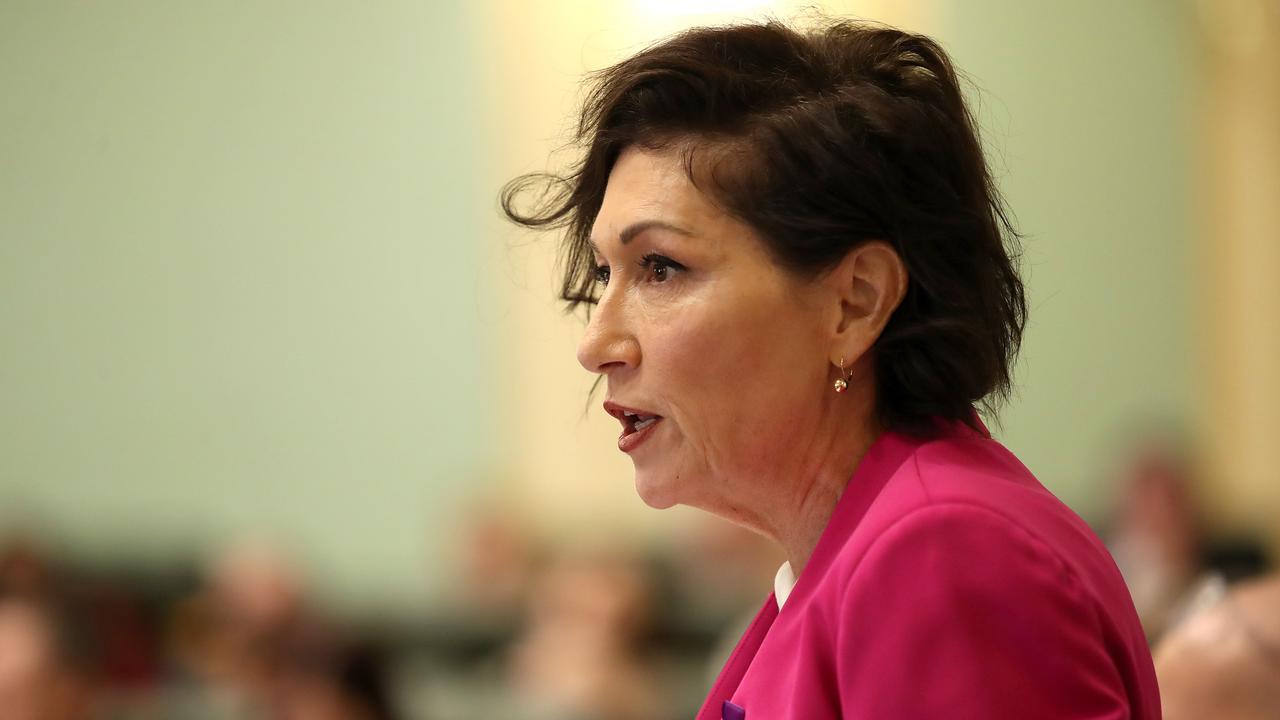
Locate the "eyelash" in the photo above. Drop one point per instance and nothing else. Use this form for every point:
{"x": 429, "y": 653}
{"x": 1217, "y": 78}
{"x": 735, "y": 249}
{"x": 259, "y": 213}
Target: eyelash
{"x": 653, "y": 262}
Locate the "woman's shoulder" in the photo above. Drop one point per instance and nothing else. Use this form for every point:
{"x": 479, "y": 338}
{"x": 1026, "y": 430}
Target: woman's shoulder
{"x": 967, "y": 501}
{"x": 946, "y": 560}
{"x": 967, "y": 570}
{"x": 978, "y": 479}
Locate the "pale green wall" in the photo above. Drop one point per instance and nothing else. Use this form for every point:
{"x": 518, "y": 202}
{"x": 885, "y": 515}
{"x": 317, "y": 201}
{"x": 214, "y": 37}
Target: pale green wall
{"x": 240, "y": 250}
{"x": 1087, "y": 111}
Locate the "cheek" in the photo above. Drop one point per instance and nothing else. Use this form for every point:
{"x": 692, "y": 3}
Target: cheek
{"x": 740, "y": 380}
{"x": 692, "y": 373}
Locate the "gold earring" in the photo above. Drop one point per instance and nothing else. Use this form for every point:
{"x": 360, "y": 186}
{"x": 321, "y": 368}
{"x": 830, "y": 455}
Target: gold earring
{"x": 841, "y": 383}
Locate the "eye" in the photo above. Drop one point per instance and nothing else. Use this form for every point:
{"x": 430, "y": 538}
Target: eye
{"x": 659, "y": 267}
{"x": 600, "y": 273}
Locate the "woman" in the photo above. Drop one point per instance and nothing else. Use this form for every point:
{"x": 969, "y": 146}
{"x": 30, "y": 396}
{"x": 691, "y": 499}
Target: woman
{"x": 799, "y": 288}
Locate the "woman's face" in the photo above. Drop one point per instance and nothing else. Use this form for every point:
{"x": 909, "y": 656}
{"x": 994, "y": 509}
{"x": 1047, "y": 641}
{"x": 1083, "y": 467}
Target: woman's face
{"x": 716, "y": 362}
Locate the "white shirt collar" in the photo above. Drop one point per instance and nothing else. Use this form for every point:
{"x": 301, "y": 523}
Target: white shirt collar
{"x": 783, "y": 583}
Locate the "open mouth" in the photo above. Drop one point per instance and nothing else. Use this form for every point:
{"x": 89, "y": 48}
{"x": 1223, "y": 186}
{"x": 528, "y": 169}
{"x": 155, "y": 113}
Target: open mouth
{"x": 635, "y": 424}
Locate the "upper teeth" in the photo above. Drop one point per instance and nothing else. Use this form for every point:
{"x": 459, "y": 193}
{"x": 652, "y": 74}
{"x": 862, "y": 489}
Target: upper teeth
{"x": 640, "y": 421}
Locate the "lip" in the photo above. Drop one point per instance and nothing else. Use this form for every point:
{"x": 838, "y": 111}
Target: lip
{"x": 631, "y": 438}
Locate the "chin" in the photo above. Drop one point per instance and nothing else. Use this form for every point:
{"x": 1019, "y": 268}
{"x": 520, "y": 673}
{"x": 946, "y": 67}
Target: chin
{"x": 656, "y": 492}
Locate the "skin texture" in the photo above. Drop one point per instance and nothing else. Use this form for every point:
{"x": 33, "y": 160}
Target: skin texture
{"x": 735, "y": 353}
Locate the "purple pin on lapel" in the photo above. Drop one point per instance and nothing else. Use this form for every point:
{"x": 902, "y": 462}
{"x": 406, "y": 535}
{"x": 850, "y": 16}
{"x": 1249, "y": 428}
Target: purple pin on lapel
{"x": 729, "y": 711}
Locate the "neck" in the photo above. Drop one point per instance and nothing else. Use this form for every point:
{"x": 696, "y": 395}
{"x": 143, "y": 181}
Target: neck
{"x": 799, "y": 530}
{"x": 818, "y": 479}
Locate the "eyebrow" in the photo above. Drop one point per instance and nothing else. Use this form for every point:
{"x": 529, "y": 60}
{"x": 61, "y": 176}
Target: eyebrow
{"x": 631, "y": 231}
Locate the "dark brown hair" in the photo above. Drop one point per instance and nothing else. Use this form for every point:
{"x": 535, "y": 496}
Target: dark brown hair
{"x": 821, "y": 139}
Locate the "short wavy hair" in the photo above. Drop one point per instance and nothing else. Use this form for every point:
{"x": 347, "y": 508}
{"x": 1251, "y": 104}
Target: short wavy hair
{"x": 821, "y": 139}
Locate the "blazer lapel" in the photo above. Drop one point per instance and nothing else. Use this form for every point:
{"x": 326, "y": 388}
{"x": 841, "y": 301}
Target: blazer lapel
{"x": 731, "y": 676}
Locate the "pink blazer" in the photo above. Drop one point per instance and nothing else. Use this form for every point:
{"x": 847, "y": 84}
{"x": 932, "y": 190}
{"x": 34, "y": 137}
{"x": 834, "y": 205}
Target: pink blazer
{"x": 948, "y": 584}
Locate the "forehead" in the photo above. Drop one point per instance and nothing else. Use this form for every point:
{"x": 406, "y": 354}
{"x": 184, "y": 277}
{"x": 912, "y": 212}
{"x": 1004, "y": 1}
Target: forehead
{"x": 653, "y": 185}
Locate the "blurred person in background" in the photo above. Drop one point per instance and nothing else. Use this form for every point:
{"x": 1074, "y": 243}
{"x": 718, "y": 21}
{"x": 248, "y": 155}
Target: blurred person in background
{"x": 1223, "y": 661}
{"x": 578, "y": 657}
{"x": 71, "y": 646}
{"x": 250, "y": 646}
{"x": 496, "y": 561}
{"x": 801, "y": 281}
{"x": 229, "y": 637}
{"x": 1155, "y": 534}
{"x": 38, "y": 678}
{"x": 1158, "y": 536}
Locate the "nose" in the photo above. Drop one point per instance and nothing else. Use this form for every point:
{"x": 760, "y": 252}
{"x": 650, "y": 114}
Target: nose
{"x": 608, "y": 343}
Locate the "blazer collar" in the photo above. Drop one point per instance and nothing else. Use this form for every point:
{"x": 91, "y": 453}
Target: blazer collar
{"x": 882, "y": 460}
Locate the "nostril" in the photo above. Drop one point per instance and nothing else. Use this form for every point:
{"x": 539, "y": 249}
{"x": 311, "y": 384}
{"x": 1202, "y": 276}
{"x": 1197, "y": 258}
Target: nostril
{"x": 600, "y": 353}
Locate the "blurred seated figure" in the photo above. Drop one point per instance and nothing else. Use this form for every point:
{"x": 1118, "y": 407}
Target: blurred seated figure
{"x": 1155, "y": 533}
{"x": 38, "y": 681}
{"x": 251, "y": 647}
{"x": 227, "y": 637}
{"x": 495, "y": 560}
{"x": 579, "y": 656}
{"x": 1223, "y": 661}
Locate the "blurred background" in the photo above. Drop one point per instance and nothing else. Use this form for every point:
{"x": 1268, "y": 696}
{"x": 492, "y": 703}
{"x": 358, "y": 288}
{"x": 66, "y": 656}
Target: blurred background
{"x": 291, "y": 424}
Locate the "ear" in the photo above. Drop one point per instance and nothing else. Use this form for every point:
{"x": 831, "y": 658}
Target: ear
{"x": 869, "y": 284}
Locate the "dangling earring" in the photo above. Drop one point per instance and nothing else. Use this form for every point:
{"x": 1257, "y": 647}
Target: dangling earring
{"x": 841, "y": 382}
